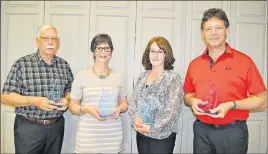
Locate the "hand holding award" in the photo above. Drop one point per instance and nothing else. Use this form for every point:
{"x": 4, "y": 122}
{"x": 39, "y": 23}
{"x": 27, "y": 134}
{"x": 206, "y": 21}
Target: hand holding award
{"x": 211, "y": 100}
{"x": 55, "y": 94}
{"x": 107, "y": 105}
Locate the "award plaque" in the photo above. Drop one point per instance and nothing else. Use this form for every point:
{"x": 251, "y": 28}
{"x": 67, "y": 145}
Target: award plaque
{"x": 107, "y": 105}
{"x": 211, "y": 100}
{"x": 147, "y": 112}
{"x": 55, "y": 94}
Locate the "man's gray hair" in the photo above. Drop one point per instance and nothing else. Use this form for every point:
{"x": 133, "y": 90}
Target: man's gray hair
{"x": 43, "y": 28}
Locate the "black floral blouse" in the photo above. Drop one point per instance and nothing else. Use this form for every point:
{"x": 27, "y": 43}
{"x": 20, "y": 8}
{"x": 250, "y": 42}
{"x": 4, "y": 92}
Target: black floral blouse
{"x": 166, "y": 93}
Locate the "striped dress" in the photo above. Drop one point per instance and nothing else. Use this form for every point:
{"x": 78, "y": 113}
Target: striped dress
{"x": 95, "y": 136}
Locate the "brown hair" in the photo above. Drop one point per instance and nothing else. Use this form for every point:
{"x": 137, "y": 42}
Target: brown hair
{"x": 164, "y": 45}
{"x": 214, "y": 12}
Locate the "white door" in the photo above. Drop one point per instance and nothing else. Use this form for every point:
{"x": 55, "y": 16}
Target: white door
{"x": 117, "y": 18}
{"x": 157, "y": 18}
{"x": 71, "y": 19}
{"x": 20, "y": 20}
{"x": 249, "y": 35}
{"x": 194, "y": 47}
{"x": 78, "y": 23}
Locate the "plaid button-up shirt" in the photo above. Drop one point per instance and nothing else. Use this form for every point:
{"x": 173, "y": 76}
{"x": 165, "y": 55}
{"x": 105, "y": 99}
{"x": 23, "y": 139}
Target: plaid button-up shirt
{"x": 31, "y": 76}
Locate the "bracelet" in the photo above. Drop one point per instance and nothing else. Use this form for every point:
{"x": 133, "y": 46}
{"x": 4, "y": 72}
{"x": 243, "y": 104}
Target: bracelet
{"x": 234, "y": 107}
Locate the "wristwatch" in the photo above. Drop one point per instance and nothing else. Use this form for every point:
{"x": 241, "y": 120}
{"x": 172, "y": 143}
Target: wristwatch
{"x": 234, "y": 107}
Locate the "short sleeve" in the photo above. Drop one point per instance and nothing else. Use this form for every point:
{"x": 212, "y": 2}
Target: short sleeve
{"x": 70, "y": 79}
{"x": 188, "y": 86}
{"x": 255, "y": 82}
{"x": 13, "y": 83}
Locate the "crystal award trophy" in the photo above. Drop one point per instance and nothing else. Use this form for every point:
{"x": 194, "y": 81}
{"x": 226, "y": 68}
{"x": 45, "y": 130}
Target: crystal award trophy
{"x": 107, "y": 105}
{"x": 211, "y": 100}
{"x": 55, "y": 94}
{"x": 147, "y": 112}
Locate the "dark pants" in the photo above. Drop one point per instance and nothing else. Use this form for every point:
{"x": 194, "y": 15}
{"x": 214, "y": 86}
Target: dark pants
{"x": 228, "y": 139}
{"x": 34, "y": 138}
{"x": 154, "y": 146}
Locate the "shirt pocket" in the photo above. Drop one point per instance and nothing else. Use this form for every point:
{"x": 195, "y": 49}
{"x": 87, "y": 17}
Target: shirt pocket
{"x": 28, "y": 86}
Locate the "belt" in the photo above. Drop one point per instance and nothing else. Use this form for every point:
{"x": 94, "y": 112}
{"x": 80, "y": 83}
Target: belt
{"x": 223, "y": 125}
{"x": 43, "y": 122}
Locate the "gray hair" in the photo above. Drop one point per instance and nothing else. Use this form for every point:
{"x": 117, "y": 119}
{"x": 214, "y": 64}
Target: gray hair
{"x": 43, "y": 28}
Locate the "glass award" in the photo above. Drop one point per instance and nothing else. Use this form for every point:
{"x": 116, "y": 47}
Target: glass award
{"x": 107, "y": 105}
{"x": 55, "y": 94}
{"x": 147, "y": 112}
{"x": 211, "y": 101}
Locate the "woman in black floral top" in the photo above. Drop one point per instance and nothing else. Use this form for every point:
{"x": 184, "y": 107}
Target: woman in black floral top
{"x": 156, "y": 101}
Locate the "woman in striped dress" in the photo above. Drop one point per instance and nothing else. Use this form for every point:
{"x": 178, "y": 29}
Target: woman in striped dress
{"x": 96, "y": 132}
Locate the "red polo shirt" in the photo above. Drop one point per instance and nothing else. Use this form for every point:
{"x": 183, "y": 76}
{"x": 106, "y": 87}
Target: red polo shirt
{"x": 234, "y": 75}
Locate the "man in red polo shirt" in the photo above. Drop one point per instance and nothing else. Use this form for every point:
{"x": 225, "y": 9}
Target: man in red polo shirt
{"x": 221, "y": 87}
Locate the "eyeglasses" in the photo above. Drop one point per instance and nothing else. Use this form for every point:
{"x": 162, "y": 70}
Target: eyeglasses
{"x": 106, "y": 49}
{"x": 159, "y": 52}
{"x": 46, "y": 39}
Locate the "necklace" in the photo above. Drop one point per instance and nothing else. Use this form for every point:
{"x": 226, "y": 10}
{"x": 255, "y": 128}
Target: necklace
{"x": 101, "y": 76}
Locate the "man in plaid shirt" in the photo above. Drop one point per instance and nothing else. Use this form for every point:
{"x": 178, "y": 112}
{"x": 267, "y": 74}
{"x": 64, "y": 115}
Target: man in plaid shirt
{"x": 38, "y": 86}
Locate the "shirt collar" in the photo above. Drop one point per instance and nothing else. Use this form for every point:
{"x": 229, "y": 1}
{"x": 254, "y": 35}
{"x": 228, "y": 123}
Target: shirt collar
{"x": 39, "y": 58}
{"x": 228, "y": 50}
